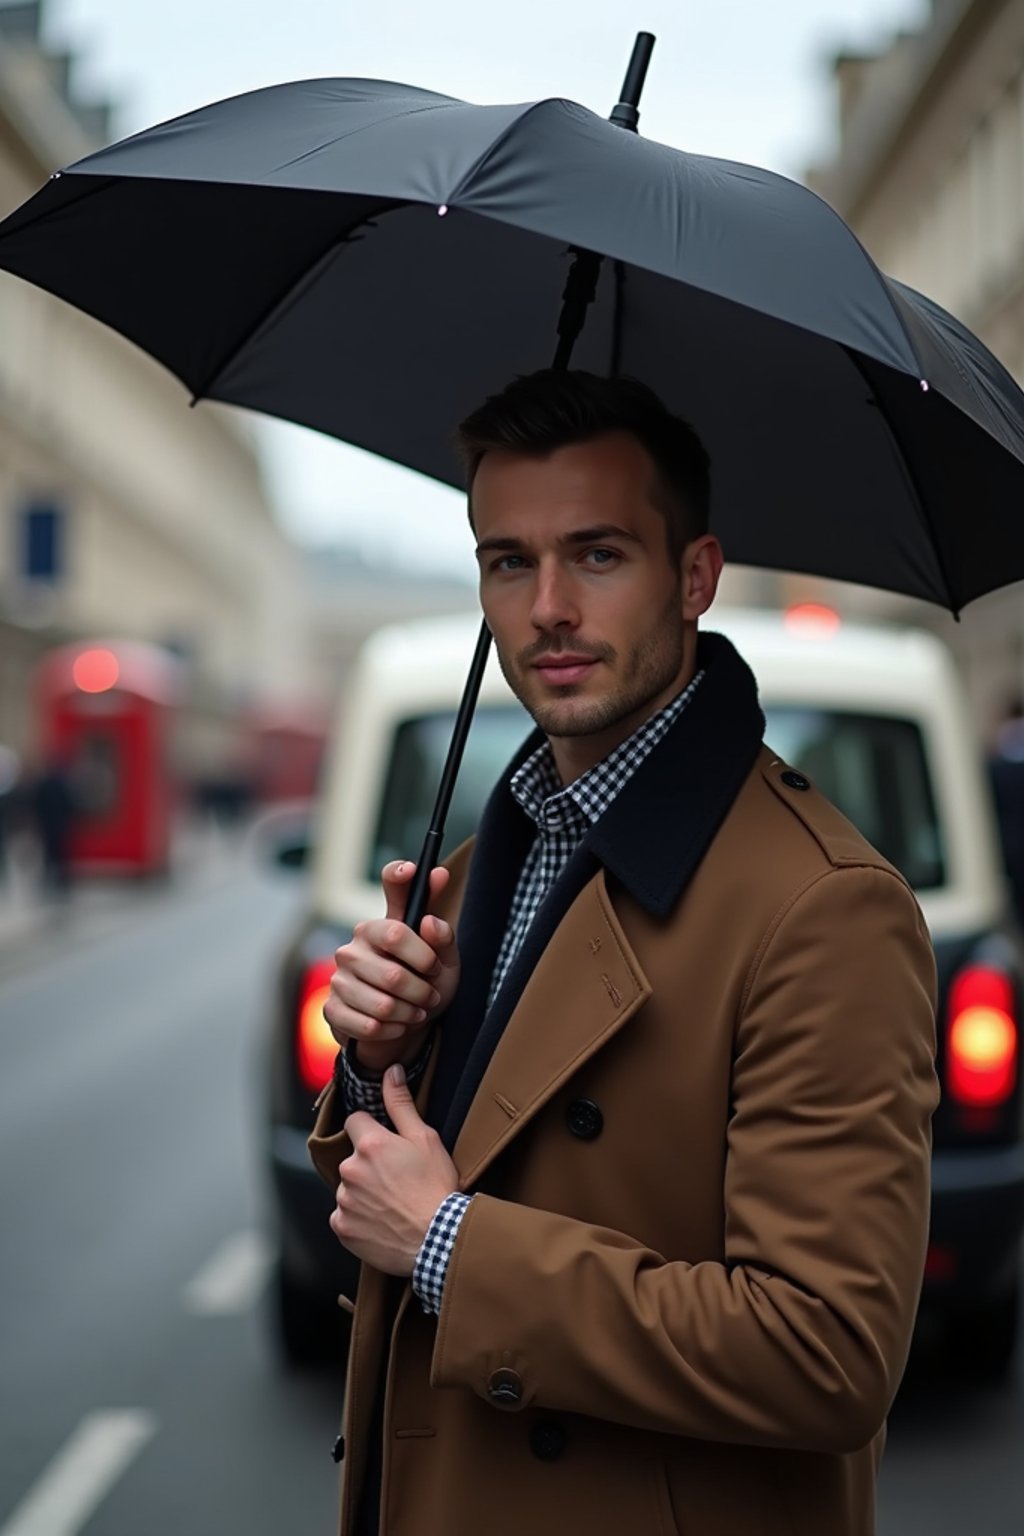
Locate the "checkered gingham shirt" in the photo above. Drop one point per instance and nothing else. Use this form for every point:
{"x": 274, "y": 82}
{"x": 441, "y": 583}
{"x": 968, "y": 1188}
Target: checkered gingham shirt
{"x": 563, "y": 815}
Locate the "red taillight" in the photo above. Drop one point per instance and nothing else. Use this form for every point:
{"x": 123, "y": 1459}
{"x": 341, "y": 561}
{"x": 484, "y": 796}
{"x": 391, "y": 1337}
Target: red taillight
{"x": 315, "y": 1046}
{"x": 981, "y": 1040}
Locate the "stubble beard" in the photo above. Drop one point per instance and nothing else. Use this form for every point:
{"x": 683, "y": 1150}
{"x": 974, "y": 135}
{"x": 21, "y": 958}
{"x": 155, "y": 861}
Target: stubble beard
{"x": 652, "y": 665}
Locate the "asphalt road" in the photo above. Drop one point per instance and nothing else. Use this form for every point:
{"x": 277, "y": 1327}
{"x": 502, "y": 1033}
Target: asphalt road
{"x": 138, "y": 1387}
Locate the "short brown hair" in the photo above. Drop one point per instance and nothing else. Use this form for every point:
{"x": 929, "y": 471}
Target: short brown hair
{"x": 541, "y": 412}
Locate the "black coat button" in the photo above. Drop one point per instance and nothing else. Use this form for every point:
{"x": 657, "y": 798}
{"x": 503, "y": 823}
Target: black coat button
{"x": 793, "y": 780}
{"x": 548, "y": 1439}
{"x": 338, "y": 1453}
{"x": 584, "y": 1119}
{"x": 505, "y": 1389}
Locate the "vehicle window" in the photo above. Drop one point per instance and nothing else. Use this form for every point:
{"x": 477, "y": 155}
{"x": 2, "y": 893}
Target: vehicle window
{"x": 874, "y": 768}
{"x": 414, "y": 772}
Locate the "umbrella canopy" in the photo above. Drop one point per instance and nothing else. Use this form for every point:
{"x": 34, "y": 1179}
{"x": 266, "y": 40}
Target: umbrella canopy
{"x": 371, "y": 260}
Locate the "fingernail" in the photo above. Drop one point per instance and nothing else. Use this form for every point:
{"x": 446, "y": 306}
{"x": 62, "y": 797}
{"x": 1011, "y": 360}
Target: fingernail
{"x": 421, "y": 1014}
{"x": 397, "y": 1074}
{"x": 435, "y": 998}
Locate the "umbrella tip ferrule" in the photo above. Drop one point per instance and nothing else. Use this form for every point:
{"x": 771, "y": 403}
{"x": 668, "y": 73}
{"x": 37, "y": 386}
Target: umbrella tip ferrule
{"x": 442, "y": 210}
{"x": 925, "y": 386}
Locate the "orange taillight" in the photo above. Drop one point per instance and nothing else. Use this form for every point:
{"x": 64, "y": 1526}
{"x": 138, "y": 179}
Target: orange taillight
{"x": 315, "y": 1046}
{"x": 982, "y": 1038}
{"x": 816, "y": 620}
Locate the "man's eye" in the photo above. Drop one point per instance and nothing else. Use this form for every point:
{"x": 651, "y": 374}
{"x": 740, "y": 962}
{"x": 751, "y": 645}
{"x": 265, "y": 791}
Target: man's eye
{"x": 509, "y": 563}
{"x": 601, "y": 556}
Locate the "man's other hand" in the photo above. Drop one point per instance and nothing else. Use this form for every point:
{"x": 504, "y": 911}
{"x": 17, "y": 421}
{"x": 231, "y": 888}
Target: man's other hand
{"x": 392, "y": 1184}
{"x": 391, "y": 983}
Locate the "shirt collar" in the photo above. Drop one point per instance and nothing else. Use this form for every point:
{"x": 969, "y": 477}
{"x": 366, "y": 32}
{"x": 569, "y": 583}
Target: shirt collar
{"x": 572, "y": 807}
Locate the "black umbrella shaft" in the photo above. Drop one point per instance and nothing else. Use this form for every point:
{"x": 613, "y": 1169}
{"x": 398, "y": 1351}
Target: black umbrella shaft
{"x": 419, "y": 891}
{"x": 580, "y": 289}
{"x": 580, "y": 292}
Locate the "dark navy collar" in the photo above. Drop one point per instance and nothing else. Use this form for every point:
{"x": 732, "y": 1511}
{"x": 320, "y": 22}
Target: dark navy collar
{"x": 656, "y": 831}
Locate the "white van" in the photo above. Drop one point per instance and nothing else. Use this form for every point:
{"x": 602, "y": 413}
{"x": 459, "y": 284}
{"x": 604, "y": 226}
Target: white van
{"x": 877, "y": 719}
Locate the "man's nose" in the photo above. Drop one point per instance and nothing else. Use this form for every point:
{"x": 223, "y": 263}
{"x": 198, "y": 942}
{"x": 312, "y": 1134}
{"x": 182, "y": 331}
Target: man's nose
{"x": 554, "y": 601}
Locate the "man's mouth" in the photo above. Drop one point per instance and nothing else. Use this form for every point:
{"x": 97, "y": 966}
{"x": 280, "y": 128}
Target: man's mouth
{"x": 561, "y": 670}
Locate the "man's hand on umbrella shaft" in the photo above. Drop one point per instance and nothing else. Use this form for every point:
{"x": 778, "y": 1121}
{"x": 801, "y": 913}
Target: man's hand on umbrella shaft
{"x": 391, "y": 1186}
{"x": 391, "y": 983}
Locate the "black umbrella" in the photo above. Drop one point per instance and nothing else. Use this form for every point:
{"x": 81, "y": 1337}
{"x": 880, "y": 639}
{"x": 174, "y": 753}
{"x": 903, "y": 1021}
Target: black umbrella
{"x": 371, "y": 260}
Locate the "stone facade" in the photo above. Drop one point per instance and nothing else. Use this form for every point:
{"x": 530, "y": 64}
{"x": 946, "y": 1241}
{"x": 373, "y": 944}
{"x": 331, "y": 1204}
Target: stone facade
{"x": 930, "y": 174}
{"x": 163, "y": 530}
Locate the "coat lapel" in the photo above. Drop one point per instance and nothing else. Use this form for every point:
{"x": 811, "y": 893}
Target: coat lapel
{"x": 553, "y": 1029}
{"x": 491, "y": 1022}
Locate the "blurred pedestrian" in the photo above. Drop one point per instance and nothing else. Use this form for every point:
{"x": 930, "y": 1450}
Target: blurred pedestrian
{"x": 1006, "y": 773}
{"x": 658, "y": 1210}
{"x": 53, "y": 803}
{"x": 10, "y": 770}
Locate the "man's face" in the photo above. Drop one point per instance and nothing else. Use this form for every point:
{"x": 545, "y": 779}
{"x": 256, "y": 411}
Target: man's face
{"x": 587, "y": 608}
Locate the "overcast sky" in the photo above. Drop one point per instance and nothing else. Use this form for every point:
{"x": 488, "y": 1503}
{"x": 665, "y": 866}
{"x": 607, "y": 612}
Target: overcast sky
{"x": 743, "y": 79}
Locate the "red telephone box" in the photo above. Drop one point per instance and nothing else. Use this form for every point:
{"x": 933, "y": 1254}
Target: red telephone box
{"x": 105, "y": 713}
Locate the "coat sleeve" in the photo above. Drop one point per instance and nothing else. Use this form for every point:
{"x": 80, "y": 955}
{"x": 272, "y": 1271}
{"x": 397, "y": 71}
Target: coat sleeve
{"x": 799, "y": 1338}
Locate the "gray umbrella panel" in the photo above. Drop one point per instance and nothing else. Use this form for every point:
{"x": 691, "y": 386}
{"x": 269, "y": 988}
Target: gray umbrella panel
{"x": 550, "y": 168}
{"x": 372, "y": 260}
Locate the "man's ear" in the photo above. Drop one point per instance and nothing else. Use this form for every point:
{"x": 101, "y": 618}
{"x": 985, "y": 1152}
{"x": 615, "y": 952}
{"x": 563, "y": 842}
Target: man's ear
{"x": 702, "y": 567}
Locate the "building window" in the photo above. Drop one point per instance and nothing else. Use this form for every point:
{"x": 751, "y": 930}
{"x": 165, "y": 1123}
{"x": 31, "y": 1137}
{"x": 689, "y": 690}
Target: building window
{"x": 42, "y": 542}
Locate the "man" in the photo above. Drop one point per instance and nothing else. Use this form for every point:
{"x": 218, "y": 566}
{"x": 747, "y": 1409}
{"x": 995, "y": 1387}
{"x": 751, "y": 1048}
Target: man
{"x": 644, "y": 1251}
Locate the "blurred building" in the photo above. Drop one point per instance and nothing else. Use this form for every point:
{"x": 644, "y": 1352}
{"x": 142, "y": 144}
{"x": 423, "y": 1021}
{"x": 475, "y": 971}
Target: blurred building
{"x": 123, "y": 514}
{"x": 930, "y": 174}
{"x": 351, "y": 595}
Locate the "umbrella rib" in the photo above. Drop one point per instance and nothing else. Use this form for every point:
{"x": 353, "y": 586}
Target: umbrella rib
{"x": 883, "y": 280}
{"x": 920, "y": 504}
{"x": 309, "y": 274}
{"x": 493, "y": 147}
{"x": 311, "y": 154}
{"x": 95, "y": 186}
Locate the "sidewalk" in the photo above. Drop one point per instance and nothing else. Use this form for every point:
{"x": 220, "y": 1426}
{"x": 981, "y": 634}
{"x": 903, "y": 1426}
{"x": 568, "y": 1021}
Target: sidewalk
{"x": 202, "y": 853}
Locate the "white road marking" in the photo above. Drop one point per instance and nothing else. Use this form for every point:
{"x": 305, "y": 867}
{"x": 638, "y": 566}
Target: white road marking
{"x": 67, "y": 1493}
{"x": 232, "y": 1279}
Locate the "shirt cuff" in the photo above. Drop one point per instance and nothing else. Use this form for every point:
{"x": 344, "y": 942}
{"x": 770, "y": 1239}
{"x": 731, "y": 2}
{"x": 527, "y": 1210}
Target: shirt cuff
{"x": 363, "y": 1089}
{"x": 431, "y": 1267}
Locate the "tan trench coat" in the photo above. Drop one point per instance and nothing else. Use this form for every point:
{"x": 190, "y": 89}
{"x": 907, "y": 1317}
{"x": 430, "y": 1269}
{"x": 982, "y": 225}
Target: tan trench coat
{"x": 694, "y": 1321}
